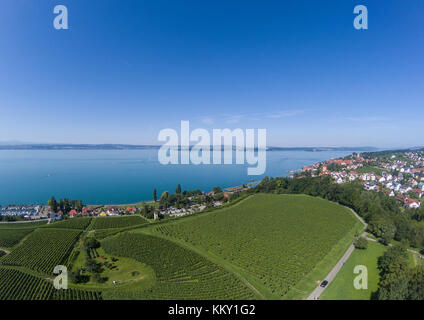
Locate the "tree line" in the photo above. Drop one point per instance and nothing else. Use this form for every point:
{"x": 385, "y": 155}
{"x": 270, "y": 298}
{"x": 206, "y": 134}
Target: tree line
{"x": 65, "y": 205}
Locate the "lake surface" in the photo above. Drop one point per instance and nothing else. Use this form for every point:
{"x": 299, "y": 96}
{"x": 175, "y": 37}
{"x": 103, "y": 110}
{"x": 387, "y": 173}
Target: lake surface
{"x": 124, "y": 176}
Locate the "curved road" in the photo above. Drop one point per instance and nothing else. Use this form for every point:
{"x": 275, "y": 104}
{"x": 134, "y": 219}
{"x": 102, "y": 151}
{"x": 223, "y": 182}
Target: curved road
{"x": 330, "y": 277}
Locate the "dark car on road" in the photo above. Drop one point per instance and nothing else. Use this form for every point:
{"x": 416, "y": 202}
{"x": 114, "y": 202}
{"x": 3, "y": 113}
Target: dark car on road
{"x": 324, "y": 283}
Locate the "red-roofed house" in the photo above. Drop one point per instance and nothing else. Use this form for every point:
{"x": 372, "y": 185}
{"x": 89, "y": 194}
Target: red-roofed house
{"x": 419, "y": 192}
{"x": 73, "y": 213}
{"x": 412, "y": 203}
{"x": 131, "y": 209}
{"x": 87, "y": 211}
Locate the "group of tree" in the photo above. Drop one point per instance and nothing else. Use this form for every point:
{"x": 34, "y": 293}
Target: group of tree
{"x": 398, "y": 281}
{"x": 65, "y": 205}
{"x": 184, "y": 199}
{"x": 91, "y": 266}
{"x": 147, "y": 210}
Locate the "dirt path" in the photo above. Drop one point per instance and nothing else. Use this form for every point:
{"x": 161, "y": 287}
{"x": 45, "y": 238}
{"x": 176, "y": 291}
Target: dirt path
{"x": 5, "y": 251}
{"x": 247, "y": 283}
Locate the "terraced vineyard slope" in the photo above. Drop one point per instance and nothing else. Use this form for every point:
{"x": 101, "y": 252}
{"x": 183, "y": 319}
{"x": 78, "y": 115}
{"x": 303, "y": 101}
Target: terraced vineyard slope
{"x": 76, "y": 223}
{"x": 180, "y": 273}
{"x": 10, "y": 237}
{"x": 275, "y": 239}
{"x": 17, "y": 285}
{"x": 117, "y": 222}
{"x": 43, "y": 250}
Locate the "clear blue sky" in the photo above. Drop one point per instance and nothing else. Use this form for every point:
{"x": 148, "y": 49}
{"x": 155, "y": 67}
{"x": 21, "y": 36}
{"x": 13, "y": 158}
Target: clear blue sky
{"x": 127, "y": 69}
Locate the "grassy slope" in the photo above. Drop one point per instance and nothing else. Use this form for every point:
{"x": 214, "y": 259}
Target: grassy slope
{"x": 123, "y": 272}
{"x": 305, "y": 207}
{"x": 342, "y": 286}
{"x": 368, "y": 169}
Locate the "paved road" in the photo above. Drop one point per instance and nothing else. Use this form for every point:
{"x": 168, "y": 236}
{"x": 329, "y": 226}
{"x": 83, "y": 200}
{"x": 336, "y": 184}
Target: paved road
{"x": 319, "y": 290}
{"x": 333, "y": 273}
{"x": 330, "y": 277}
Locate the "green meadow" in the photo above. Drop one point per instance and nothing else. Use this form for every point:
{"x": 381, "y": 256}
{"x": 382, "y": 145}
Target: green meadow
{"x": 342, "y": 286}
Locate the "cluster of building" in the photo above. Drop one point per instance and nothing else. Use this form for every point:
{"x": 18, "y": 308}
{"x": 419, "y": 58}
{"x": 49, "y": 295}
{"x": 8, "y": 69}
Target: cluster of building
{"x": 28, "y": 212}
{"x": 100, "y": 211}
{"x": 175, "y": 212}
{"x": 401, "y": 175}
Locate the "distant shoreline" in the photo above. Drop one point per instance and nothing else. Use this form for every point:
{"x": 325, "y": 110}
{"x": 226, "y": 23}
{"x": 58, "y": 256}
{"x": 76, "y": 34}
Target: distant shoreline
{"x": 156, "y": 147}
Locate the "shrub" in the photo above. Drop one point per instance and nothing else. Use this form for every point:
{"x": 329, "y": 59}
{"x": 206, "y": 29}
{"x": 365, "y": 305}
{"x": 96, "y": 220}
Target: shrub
{"x": 361, "y": 243}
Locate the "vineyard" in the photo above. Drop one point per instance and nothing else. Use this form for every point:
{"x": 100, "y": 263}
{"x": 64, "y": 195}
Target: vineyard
{"x": 260, "y": 248}
{"x": 278, "y": 239}
{"x": 180, "y": 273}
{"x": 22, "y": 225}
{"x": 74, "y": 223}
{"x": 118, "y": 222}
{"x": 10, "y": 237}
{"x": 17, "y": 285}
{"x": 43, "y": 250}
{"x": 104, "y": 233}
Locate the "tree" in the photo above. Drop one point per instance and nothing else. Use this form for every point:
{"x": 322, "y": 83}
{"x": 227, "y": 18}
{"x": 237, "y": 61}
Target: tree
{"x": 394, "y": 287}
{"x": 96, "y": 277}
{"x": 75, "y": 276}
{"x": 78, "y": 205}
{"x": 178, "y": 189}
{"x": 217, "y": 189}
{"x": 394, "y": 281}
{"x": 66, "y": 206}
{"x": 390, "y": 256}
{"x": 385, "y": 239}
{"x": 92, "y": 266}
{"x": 361, "y": 243}
{"x": 52, "y": 203}
{"x": 164, "y": 196}
{"x": 91, "y": 243}
{"x": 155, "y": 195}
{"x": 416, "y": 284}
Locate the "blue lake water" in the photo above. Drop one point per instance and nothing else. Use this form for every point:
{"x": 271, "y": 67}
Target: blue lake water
{"x": 124, "y": 176}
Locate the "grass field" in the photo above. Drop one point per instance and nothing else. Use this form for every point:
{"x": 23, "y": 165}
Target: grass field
{"x": 273, "y": 240}
{"x": 342, "y": 287}
{"x": 129, "y": 273}
{"x": 368, "y": 169}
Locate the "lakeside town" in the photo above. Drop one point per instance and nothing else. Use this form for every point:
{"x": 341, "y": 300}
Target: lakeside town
{"x": 179, "y": 204}
{"x": 398, "y": 174}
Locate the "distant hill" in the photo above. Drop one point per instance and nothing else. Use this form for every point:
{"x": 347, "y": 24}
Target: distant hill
{"x": 28, "y": 146}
